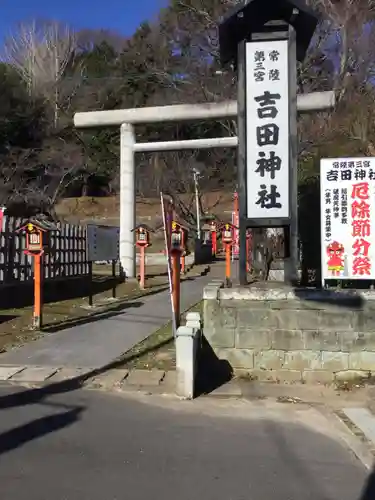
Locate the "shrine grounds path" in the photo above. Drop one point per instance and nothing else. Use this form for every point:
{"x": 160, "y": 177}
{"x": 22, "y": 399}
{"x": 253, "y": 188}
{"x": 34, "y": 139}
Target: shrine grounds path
{"x": 96, "y": 344}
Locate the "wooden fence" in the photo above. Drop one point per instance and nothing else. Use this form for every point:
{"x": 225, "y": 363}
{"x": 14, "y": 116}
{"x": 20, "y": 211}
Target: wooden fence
{"x": 66, "y": 258}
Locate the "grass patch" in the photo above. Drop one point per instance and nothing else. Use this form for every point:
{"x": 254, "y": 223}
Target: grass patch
{"x": 158, "y": 350}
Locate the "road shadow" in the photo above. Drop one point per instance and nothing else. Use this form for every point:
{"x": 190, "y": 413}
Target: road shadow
{"x": 368, "y": 492}
{"x": 157, "y": 275}
{"x": 39, "y": 394}
{"x": 38, "y": 428}
{"x": 349, "y": 299}
{"x": 212, "y": 372}
{"x": 205, "y": 271}
{"x": 105, "y": 311}
{"x": 120, "y": 362}
{"x": 20, "y": 295}
{"x": 91, "y": 318}
{"x": 4, "y": 318}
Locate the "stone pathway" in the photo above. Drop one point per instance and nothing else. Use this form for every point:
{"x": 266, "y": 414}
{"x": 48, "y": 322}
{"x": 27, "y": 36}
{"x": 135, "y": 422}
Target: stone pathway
{"x": 111, "y": 380}
{"x": 97, "y": 344}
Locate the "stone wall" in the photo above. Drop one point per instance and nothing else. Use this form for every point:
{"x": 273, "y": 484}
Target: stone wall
{"x": 276, "y": 332}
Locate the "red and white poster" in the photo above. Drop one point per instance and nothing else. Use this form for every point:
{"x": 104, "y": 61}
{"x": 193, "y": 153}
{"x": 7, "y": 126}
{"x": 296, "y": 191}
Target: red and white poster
{"x": 347, "y": 187}
{"x": 2, "y": 210}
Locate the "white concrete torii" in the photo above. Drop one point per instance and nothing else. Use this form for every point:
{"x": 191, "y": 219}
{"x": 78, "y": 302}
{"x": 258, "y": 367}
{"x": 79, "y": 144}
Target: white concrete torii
{"x": 127, "y": 118}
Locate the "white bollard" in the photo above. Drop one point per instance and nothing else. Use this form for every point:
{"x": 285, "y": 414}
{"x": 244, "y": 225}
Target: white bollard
{"x": 193, "y": 320}
{"x": 187, "y": 339}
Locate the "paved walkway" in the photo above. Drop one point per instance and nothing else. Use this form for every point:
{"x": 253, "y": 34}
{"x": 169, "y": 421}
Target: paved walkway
{"x": 98, "y": 343}
{"x": 89, "y": 445}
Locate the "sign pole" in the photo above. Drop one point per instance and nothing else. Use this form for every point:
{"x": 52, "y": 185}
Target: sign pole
{"x": 183, "y": 260}
{"x": 248, "y": 252}
{"x": 142, "y": 267}
{"x": 167, "y": 224}
{"x": 114, "y": 279}
{"x": 91, "y": 285}
{"x": 214, "y": 243}
{"x": 37, "y": 317}
{"x": 291, "y": 262}
{"x": 176, "y": 285}
{"x": 241, "y": 160}
{"x": 227, "y": 262}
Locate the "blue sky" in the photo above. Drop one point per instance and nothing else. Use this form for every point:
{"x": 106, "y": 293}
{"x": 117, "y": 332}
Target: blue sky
{"x": 122, "y": 16}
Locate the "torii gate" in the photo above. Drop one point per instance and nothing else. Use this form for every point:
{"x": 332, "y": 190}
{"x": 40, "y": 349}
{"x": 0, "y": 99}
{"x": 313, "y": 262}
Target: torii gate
{"x": 127, "y": 118}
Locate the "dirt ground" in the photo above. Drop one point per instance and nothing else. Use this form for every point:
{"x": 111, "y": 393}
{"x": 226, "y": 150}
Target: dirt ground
{"x": 107, "y": 209}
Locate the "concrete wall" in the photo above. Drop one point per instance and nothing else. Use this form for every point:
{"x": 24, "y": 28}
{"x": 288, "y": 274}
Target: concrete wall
{"x": 280, "y": 333}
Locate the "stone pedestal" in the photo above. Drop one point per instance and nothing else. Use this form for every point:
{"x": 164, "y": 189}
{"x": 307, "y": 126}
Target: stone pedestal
{"x": 277, "y": 332}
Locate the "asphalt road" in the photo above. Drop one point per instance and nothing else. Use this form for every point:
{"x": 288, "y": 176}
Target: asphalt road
{"x": 87, "y": 445}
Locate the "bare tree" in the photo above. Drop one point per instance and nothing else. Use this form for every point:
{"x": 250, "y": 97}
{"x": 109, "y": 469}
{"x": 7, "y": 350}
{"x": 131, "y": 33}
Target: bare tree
{"x": 346, "y": 36}
{"x": 40, "y": 53}
{"x": 88, "y": 38}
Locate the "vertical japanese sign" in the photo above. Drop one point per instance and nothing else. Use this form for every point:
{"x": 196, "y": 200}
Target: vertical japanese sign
{"x": 267, "y": 129}
{"x": 347, "y": 190}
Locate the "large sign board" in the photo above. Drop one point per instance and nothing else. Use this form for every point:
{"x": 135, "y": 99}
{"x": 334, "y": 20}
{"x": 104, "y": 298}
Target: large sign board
{"x": 347, "y": 187}
{"x": 267, "y": 130}
{"x": 102, "y": 243}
